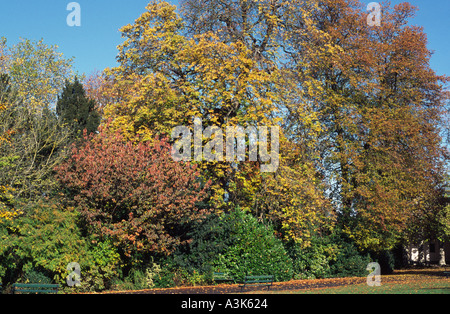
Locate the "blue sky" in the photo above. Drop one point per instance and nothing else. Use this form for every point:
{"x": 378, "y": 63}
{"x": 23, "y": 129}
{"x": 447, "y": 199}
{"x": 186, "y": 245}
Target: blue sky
{"x": 94, "y": 43}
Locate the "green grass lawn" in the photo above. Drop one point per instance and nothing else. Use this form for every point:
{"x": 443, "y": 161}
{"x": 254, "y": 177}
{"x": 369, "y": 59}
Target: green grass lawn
{"x": 434, "y": 286}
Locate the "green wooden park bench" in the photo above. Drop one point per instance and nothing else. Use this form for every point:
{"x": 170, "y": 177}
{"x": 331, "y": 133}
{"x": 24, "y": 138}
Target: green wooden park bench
{"x": 222, "y": 277}
{"x": 35, "y": 288}
{"x": 262, "y": 280}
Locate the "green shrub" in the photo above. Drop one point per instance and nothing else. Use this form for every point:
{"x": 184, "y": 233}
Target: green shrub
{"x": 328, "y": 257}
{"x": 44, "y": 240}
{"x": 238, "y": 244}
{"x": 136, "y": 280}
{"x": 165, "y": 277}
{"x": 156, "y": 275}
{"x": 209, "y": 239}
{"x": 36, "y": 276}
{"x": 349, "y": 262}
{"x": 312, "y": 262}
{"x": 99, "y": 265}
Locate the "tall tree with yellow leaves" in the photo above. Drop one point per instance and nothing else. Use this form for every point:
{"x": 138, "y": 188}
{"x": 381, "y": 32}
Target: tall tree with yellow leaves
{"x": 167, "y": 78}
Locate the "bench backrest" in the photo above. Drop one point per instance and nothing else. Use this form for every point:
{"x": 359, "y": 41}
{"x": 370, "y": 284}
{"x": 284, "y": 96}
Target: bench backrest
{"x": 258, "y": 279}
{"x": 221, "y": 276}
{"x": 216, "y": 274}
{"x": 35, "y": 288}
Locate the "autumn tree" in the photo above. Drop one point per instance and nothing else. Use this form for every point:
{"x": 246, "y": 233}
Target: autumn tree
{"x": 361, "y": 103}
{"x": 400, "y": 161}
{"x": 38, "y": 72}
{"x": 379, "y": 104}
{"x": 172, "y": 71}
{"x": 187, "y": 76}
{"x": 100, "y": 87}
{"x": 36, "y": 139}
{"x": 168, "y": 75}
{"x": 292, "y": 197}
{"x": 133, "y": 193}
{"x": 258, "y": 25}
{"x": 166, "y": 78}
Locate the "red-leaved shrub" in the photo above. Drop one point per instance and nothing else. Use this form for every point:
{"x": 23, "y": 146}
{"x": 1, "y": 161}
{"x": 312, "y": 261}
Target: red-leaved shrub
{"x": 133, "y": 192}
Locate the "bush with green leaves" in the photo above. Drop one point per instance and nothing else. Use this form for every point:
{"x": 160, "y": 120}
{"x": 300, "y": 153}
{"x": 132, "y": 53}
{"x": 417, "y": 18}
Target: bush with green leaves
{"x": 44, "y": 239}
{"x": 328, "y": 257}
{"x": 314, "y": 261}
{"x": 349, "y": 262}
{"x": 235, "y": 243}
{"x": 148, "y": 276}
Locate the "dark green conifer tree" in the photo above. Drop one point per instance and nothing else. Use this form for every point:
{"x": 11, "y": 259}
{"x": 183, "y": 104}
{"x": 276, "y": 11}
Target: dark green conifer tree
{"x": 77, "y": 110}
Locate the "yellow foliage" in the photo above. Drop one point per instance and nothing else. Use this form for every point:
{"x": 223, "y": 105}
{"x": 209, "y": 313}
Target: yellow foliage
{"x": 165, "y": 79}
{"x": 7, "y": 212}
{"x": 293, "y": 197}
